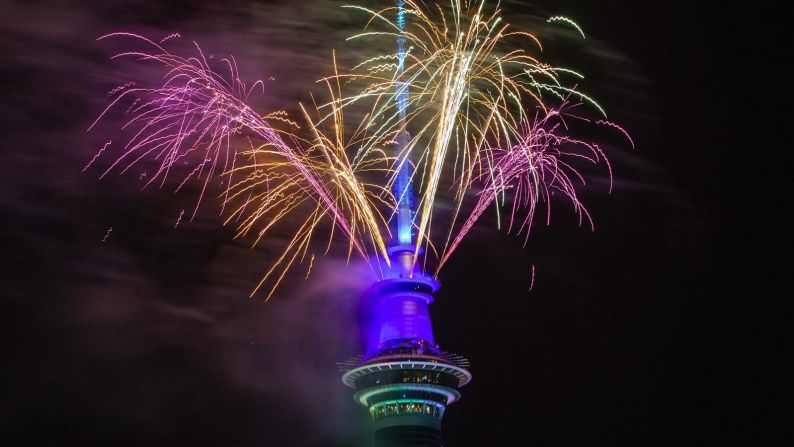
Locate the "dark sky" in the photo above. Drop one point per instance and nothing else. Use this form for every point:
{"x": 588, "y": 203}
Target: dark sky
{"x": 641, "y": 333}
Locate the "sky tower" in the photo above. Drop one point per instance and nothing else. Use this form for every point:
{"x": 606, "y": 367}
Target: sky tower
{"x": 404, "y": 378}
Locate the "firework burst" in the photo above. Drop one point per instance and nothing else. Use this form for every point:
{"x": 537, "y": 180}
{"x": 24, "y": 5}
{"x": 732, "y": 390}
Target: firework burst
{"x": 487, "y": 121}
{"x": 485, "y": 114}
{"x": 199, "y": 116}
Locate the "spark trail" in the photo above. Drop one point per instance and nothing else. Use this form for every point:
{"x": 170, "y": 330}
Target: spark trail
{"x": 107, "y": 234}
{"x": 169, "y": 37}
{"x": 96, "y": 156}
{"x": 179, "y": 219}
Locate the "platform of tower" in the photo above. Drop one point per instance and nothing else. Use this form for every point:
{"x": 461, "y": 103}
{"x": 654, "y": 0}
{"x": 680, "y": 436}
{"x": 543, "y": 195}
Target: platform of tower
{"x": 407, "y": 390}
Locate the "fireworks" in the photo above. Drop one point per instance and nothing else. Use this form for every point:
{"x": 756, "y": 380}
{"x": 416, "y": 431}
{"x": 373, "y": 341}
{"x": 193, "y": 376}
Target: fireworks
{"x": 483, "y": 122}
{"x": 193, "y": 117}
{"x": 478, "y": 111}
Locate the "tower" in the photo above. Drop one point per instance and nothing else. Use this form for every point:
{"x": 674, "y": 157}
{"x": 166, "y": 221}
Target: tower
{"x": 404, "y": 378}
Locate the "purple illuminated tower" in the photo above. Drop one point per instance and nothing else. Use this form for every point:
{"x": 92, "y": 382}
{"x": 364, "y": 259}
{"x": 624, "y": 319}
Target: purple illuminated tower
{"x": 404, "y": 379}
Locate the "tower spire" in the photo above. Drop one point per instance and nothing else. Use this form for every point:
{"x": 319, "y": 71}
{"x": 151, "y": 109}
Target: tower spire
{"x": 403, "y": 189}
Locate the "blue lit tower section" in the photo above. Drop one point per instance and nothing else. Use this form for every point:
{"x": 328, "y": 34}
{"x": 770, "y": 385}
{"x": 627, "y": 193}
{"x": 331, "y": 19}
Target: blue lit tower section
{"x": 403, "y": 189}
{"x": 404, "y": 378}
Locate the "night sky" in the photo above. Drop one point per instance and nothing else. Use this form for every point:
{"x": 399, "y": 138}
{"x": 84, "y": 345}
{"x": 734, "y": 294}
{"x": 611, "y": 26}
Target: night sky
{"x": 641, "y": 333}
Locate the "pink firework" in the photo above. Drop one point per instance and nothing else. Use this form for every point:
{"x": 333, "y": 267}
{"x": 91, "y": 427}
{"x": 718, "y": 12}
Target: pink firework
{"x": 190, "y": 118}
{"x": 539, "y": 166}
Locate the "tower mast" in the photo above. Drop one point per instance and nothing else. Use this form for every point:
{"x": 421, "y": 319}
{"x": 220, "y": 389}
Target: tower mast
{"x": 403, "y": 189}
